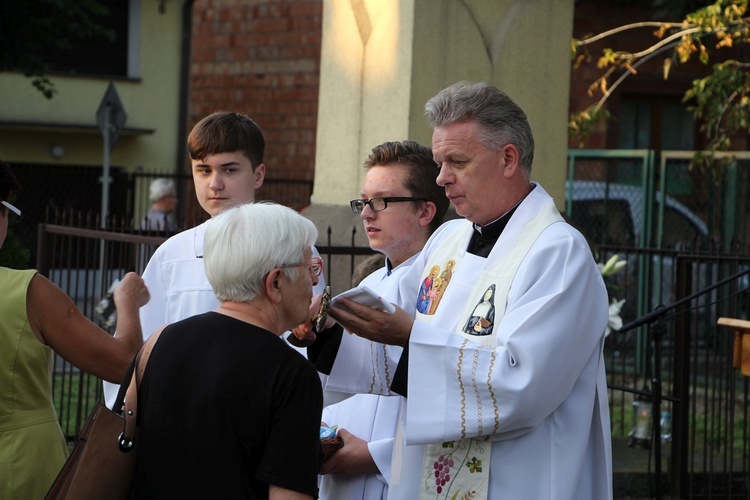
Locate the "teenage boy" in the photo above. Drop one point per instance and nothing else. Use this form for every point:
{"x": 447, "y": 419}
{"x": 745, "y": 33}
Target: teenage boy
{"x": 400, "y": 206}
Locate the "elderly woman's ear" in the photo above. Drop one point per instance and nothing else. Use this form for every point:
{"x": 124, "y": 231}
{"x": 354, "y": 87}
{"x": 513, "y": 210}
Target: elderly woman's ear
{"x": 274, "y": 285}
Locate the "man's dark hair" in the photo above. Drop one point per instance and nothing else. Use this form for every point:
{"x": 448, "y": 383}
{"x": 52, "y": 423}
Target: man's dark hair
{"x": 226, "y": 132}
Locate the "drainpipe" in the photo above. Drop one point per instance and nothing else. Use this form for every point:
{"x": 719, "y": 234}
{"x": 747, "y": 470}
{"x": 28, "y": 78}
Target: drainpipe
{"x": 187, "y": 32}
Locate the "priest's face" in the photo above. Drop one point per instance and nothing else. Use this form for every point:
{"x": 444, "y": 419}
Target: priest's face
{"x": 474, "y": 177}
{"x": 394, "y": 231}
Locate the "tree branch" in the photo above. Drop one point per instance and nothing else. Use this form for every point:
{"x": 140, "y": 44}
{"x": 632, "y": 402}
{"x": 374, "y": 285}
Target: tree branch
{"x": 631, "y": 70}
{"x": 644, "y": 24}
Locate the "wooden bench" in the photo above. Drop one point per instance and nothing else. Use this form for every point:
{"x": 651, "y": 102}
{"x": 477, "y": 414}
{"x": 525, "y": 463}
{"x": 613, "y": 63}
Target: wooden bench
{"x": 741, "y": 355}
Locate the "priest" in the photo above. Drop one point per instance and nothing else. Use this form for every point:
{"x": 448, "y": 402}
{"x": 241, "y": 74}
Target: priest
{"x": 502, "y": 380}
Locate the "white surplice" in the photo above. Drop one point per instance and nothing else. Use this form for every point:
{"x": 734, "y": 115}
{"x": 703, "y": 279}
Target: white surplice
{"x": 541, "y": 392}
{"x": 372, "y": 418}
{"x": 372, "y": 414}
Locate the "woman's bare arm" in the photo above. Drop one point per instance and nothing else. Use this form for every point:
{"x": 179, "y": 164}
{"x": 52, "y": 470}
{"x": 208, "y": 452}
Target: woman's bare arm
{"x": 57, "y": 322}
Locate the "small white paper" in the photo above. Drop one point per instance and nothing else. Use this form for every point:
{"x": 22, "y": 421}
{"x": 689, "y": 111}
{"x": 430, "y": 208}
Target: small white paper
{"x": 366, "y": 296}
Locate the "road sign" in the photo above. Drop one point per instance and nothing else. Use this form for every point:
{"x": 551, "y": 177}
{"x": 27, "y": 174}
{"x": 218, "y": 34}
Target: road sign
{"x": 111, "y": 116}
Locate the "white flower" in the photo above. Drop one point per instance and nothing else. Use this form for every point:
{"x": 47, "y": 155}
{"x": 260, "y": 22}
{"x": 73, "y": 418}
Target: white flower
{"x": 613, "y": 265}
{"x": 615, "y": 321}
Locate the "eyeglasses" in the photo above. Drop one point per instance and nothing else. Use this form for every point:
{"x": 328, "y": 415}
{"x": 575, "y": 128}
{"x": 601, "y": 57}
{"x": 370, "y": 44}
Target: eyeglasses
{"x": 14, "y": 214}
{"x": 379, "y": 204}
{"x": 315, "y": 266}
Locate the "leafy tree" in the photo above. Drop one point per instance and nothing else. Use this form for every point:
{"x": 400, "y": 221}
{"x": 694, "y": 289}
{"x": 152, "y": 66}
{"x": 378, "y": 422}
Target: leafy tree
{"x": 32, "y": 30}
{"x": 719, "y": 102}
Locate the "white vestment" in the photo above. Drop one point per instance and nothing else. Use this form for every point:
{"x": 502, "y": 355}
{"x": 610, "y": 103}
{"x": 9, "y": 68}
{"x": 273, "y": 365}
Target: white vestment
{"x": 367, "y": 415}
{"x": 372, "y": 418}
{"x": 540, "y": 395}
{"x": 178, "y": 286}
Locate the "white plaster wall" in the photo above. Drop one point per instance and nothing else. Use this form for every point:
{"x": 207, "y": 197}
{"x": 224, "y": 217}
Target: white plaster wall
{"x": 366, "y": 59}
{"x": 382, "y": 60}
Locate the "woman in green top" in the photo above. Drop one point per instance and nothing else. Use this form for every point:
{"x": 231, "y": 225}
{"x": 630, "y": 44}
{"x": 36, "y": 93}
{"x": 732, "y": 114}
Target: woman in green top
{"x": 36, "y": 317}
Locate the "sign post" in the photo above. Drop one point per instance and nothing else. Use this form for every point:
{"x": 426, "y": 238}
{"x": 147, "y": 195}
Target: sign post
{"x": 110, "y": 117}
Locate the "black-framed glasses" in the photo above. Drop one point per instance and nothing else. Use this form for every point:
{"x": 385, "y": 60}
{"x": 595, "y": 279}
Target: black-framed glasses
{"x": 314, "y": 265}
{"x": 14, "y": 214}
{"x": 379, "y": 204}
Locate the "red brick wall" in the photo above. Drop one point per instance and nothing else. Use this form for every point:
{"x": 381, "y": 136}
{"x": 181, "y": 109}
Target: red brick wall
{"x": 262, "y": 58}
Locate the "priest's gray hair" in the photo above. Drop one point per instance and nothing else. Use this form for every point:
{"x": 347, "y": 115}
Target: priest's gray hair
{"x": 501, "y": 120}
{"x": 243, "y": 244}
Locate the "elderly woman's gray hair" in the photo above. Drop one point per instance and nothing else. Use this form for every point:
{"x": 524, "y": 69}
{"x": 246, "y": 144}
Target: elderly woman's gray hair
{"x": 243, "y": 244}
{"x": 160, "y": 188}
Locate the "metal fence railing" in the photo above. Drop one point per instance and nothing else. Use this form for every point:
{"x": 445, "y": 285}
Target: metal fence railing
{"x": 77, "y": 189}
{"x": 683, "y": 361}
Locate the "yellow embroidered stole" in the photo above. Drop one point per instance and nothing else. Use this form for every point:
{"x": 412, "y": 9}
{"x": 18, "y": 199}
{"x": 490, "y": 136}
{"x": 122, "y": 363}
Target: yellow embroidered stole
{"x": 460, "y": 468}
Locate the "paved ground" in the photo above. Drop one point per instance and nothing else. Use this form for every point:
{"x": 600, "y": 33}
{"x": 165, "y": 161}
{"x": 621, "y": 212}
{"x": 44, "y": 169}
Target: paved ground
{"x": 634, "y": 477}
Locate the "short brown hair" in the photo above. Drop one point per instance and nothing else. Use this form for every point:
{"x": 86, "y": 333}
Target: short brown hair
{"x": 225, "y": 132}
{"x": 422, "y": 172}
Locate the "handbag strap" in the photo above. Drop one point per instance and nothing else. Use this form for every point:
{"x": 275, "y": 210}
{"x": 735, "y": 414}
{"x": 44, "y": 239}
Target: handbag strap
{"x": 127, "y": 438}
{"x": 117, "y": 407}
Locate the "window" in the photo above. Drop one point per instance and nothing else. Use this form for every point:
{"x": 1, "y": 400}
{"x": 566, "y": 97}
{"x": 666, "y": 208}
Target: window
{"x": 655, "y": 122}
{"x": 110, "y": 54}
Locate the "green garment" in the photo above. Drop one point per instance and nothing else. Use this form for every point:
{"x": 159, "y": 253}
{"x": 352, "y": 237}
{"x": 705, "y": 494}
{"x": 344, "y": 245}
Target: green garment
{"x": 32, "y": 445}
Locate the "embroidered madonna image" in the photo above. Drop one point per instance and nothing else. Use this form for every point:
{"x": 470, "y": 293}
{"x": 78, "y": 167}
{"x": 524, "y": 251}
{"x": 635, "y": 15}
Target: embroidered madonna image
{"x": 433, "y": 287}
{"x": 482, "y": 318}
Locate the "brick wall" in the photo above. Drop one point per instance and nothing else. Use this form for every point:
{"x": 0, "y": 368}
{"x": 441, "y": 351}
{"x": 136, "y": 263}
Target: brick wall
{"x": 262, "y": 58}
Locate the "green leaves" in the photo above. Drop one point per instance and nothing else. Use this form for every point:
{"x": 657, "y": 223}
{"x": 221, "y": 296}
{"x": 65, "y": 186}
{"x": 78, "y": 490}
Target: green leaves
{"x": 719, "y": 101}
{"x": 582, "y": 122}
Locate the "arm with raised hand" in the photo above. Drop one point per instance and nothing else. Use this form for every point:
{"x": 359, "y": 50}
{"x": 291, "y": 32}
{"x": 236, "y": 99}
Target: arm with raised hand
{"x": 58, "y": 323}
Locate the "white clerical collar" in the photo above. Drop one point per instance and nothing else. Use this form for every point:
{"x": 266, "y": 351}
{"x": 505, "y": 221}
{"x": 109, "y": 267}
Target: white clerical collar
{"x": 478, "y": 228}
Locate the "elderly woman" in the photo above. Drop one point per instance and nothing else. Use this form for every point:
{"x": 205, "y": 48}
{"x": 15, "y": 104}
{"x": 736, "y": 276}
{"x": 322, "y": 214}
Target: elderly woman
{"x": 36, "y": 317}
{"x": 226, "y": 408}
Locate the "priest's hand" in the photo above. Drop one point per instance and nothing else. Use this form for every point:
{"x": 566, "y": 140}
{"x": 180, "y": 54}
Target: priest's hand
{"x": 373, "y": 324}
{"x": 353, "y": 459}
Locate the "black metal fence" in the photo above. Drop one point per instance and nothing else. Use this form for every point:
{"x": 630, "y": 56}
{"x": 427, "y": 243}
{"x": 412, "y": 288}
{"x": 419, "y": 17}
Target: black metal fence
{"x": 706, "y": 455}
{"x": 680, "y": 362}
{"x": 77, "y": 189}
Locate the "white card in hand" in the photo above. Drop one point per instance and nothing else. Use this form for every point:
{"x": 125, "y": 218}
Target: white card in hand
{"x": 366, "y": 296}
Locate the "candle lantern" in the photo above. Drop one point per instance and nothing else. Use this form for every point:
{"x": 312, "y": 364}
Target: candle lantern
{"x": 642, "y": 422}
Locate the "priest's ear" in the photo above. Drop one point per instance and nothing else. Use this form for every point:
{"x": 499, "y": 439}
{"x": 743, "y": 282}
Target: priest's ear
{"x": 510, "y": 160}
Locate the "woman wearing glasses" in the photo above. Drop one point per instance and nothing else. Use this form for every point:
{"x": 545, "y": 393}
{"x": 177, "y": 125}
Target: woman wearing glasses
{"x": 226, "y": 408}
{"x": 36, "y": 317}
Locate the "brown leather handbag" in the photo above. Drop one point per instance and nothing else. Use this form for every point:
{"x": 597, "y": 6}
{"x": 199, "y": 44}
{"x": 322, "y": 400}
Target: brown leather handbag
{"x": 102, "y": 462}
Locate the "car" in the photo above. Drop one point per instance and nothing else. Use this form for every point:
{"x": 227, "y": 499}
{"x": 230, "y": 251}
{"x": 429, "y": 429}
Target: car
{"x": 613, "y": 214}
